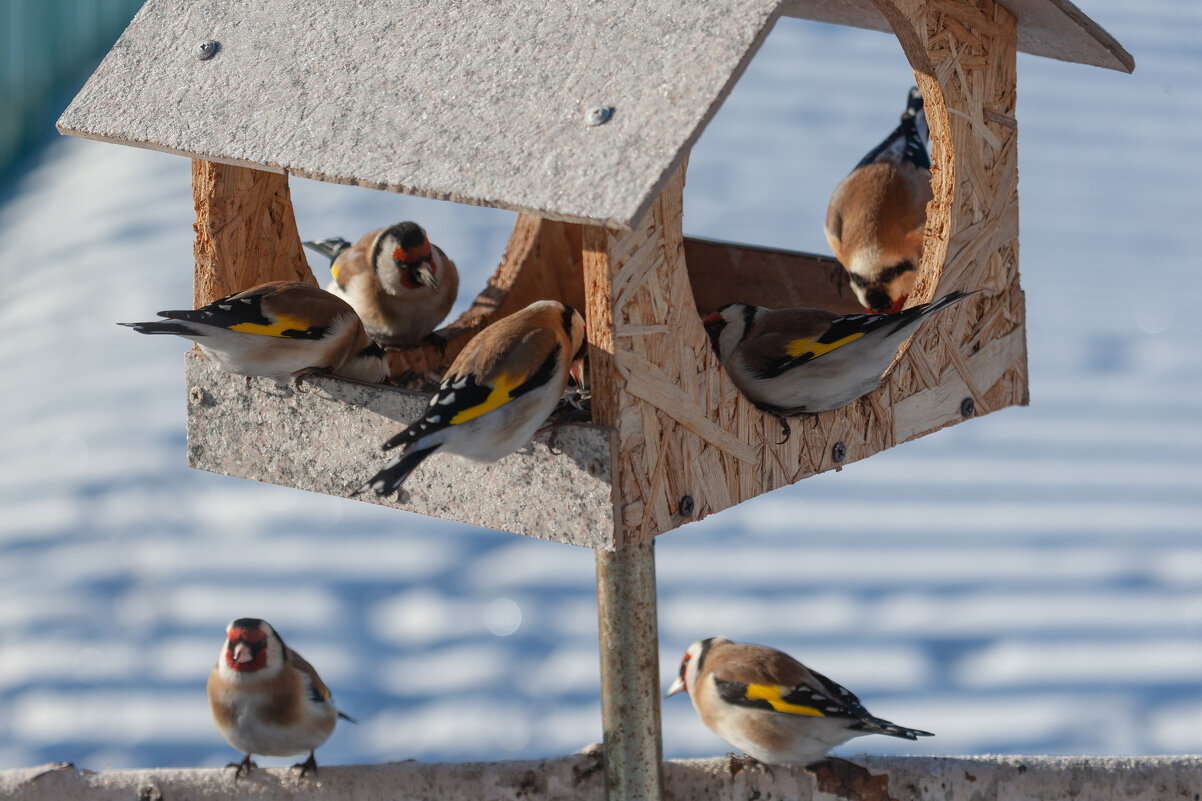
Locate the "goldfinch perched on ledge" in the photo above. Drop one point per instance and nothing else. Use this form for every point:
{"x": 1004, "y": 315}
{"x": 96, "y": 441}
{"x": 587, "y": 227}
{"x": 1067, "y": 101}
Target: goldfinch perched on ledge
{"x": 795, "y": 361}
{"x": 277, "y": 330}
{"x": 496, "y": 394}
{"x": 266, "y": 699}
{"x": 772, "y": 707}
{"x": 401, "y": 285}
{"x": 877, "y": 214}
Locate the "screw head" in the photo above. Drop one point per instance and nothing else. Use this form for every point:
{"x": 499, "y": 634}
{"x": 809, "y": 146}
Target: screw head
{"x": 598, "y": 115}
{"x": 968, "y": 407}
{"x": 686, "y": 506}
{"x": 839, "y": 452}
{"x": 205, "y": 50}
{"x": 196, "y": 396}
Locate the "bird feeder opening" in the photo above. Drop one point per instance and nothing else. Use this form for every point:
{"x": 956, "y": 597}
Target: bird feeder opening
{"x": 727, "y": 263}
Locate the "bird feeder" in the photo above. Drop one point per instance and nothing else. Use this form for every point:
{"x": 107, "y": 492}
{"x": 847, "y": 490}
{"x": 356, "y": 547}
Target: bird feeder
{"x": 580, "y": 116}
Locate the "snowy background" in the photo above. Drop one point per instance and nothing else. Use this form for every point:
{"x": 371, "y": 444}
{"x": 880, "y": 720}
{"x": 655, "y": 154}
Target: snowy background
{"x": 1027, "y": 582}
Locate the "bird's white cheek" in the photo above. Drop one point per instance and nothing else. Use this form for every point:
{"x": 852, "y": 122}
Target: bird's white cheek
{"x": 903, "y": 284}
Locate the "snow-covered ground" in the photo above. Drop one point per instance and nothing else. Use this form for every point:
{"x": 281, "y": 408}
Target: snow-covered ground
{"x": 1027, "y": 582}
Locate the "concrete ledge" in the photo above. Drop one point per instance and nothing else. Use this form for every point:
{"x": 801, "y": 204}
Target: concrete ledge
{"x": 580, "y": 777}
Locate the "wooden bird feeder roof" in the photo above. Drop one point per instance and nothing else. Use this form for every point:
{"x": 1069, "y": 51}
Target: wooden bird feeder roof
{"x": 487, "y": 103}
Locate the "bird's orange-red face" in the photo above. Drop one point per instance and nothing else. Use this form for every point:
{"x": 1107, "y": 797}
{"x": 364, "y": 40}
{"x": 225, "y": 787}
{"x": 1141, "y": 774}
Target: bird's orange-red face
{"x": 246, "y": 650}
{"x": 684, "y": 669}
{"x": 416, "y": 265}
{"x": 417, "y": 253}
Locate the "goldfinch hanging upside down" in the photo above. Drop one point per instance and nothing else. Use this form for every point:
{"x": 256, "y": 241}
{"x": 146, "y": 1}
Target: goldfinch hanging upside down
{"x": 278, "y": 330}
{"x": 772, "y": 707}
{"x": 401, "y": 285}
{"x": 266, "y": 699}
{"x": 799, "y": 361}
{"x": 877, "y": 214}
{"x": 495, "y": 395}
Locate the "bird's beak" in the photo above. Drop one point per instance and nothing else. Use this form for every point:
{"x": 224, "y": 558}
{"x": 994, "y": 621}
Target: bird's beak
{"x": 423, "y": 273}
{"x": 576, "y": 371}
{"x": 677, "y": 687}
{"x": 242, "y": 654}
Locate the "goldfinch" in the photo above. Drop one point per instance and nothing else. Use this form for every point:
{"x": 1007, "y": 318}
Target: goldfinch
{"x": 278, "y": 330}
{"x": 266, "y": 699}
{"x": 772, "y": 707}
{"x": 877, "y": 214}
{"x": 795, "y": 361}
{"x": 401, "y": 285}
{"x": 495, "y": 395}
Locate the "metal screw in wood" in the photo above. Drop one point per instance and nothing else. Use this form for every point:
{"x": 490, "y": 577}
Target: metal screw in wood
{"x": 205, "y": 50}
{"x": 598, "y": 115}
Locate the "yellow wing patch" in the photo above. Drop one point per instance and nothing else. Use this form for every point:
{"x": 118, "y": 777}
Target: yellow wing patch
{"x": 774, "y": 695}
{"x": 498, "y": 397}
{"x": 276, "y": 329}
{"x": 800, "y": 347}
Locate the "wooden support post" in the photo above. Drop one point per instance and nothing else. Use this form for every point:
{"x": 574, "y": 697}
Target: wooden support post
{"x": 245, "y": 231}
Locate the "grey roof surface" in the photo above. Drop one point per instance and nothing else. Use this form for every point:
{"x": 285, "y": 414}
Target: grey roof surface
{"x": 1052, "y": 28}
{"x": 477, "y": 101}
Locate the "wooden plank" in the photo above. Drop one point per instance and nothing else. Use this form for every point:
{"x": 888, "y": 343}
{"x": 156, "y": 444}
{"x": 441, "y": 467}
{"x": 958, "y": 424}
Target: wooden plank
{"x": 682, "y": 428}
{"x": 245, "y": 231}
{"x": 723, "y": 272}
{"x": 324, "y": 433}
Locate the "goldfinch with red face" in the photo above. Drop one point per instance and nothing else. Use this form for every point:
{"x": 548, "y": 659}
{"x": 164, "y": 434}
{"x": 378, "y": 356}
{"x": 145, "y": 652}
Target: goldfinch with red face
{"x": 401, "y": 285}
{"x": 496, "y": 394}
{"x": 772, "y": 707}
{"x": 266, "y": 699}
{"x": 278, "y": 330}
{"x": 877, "y": 214}
{"x": 795, "y": 361}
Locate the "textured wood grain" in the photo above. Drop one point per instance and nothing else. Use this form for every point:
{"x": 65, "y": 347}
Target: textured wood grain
{"x": 688, "y": 443}
{"x": 721, "y": 272}
{"x": 245, "y": 231}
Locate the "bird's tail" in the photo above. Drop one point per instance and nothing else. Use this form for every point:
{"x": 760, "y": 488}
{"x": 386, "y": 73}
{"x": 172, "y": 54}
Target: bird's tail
{"x": 914, "y": 123}
{"x": 908, "y": 141}
{"x": 909, "y": 317}
{"x": 390, "y": 479}
{"x": 165, "y": 327}
{"x": 913, "y": 104}
{"x": 871, "y": 725}
{"x": 330, "y": 248}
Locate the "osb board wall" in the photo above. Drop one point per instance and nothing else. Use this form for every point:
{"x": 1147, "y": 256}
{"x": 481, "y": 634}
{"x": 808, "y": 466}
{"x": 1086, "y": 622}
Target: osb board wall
{"x": 688, "y": 443}
{"x": 245, "y": 231}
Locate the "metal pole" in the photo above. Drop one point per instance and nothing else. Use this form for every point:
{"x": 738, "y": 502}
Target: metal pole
{"x": 630, "y": 673}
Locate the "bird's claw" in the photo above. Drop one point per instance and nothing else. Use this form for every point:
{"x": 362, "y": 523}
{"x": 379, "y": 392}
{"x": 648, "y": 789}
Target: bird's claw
{"x": 784, "y": 428}
{"x": 308, "y": 766}
{"x": 244, "y": 766}
{"x": 738, "y": 764}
